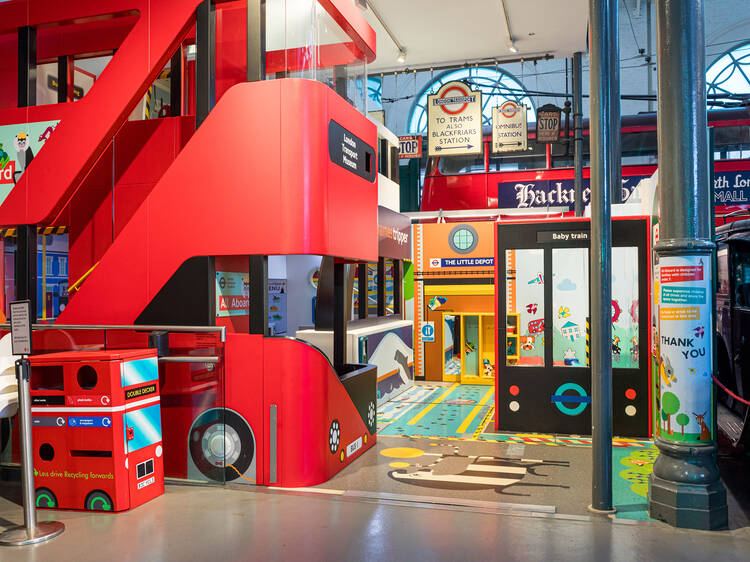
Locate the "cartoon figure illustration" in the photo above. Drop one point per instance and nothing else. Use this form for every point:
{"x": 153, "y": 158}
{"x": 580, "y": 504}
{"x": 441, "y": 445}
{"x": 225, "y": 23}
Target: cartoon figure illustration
{"x": 571, "y": 330}
{"x": 453, "y": 470}
{"x": 24, "y": 154}
{"x": 536, "y": 326}
{"x": 539, "y": 280}
{"x": 564, "y": 312}
{"x": 489, "y": 368}
{"x": 531, "y": 308}
{"x": 45, "y": 135}
{"x": 527, "y": 343}
{"x": 666, "y": 371}
{"x": 4, "y": 158}
{"x": 469, "y": 347}
{"x": 705, "y": 431}
{"x": 569, "y": 358}
{"x": 616, "y": 350}
{"x": 699, "y": 331}
{"x": 436, "y": 302}
{"x": 634, "y": 348}
{"x": 692, "y": 370}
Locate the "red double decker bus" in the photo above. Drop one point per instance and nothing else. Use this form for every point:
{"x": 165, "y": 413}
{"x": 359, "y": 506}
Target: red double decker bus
{"x": 541, "y": 177}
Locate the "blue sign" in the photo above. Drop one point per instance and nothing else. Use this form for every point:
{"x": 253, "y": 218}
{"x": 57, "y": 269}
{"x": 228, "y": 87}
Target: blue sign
{"x": 89, "y": 421}
{"x": 466, "y": 262}
{"x": 428, "y": 331}
{"x": 732, "y": 188}
{"x": 580, "y": 398}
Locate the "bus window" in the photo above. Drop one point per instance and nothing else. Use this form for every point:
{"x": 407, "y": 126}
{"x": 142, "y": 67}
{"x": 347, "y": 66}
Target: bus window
{"x": 742, "y": 277}
{"x": 562, "y": 154}
{"x": 639, "y": 148}
{"x": 453, "y": 165}
{"x": 532, "y": 159}
{"x": 722, "y": 261}
{"x": 732, "y": 143}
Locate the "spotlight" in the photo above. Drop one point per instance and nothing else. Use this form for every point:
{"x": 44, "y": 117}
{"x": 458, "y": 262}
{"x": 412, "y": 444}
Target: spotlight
{"x": 512, "y": 47}
{"x": 401, "y": 58}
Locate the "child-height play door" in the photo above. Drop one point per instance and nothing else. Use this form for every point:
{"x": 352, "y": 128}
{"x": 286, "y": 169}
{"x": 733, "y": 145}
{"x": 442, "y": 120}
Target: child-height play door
{"x": 544, "y": 377}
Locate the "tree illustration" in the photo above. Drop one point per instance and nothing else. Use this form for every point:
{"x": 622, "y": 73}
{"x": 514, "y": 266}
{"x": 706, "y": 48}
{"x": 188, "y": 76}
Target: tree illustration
{"x": 683, "y": 420}
{"x": 670, "y": 405}
{"x": 664, "y": 418}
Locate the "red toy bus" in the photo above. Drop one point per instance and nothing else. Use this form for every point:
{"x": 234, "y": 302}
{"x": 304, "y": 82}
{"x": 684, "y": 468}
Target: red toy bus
{"x": 542, "y": 177}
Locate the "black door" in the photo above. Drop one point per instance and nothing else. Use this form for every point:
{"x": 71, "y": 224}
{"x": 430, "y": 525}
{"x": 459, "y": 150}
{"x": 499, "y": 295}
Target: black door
{"x": 544, "y": 379}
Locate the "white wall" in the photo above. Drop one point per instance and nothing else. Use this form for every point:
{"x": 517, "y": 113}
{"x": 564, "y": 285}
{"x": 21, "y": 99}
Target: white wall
{"x": 299, "y": 291}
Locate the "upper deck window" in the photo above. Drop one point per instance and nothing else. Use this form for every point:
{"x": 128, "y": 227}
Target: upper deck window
{"x": 728, "y": 75}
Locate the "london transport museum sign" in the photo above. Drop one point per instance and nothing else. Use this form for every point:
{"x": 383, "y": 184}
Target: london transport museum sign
{"x": 454, "y": 121}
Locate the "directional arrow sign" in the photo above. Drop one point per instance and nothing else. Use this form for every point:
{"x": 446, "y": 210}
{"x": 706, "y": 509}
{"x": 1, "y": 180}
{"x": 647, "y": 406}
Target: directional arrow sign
{"x": 509, "y": 127}
{"x": 454, "y": 120}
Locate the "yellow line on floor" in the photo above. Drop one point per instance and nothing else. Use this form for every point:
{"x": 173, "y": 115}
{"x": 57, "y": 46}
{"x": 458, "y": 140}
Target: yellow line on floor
{"x": 434, "y": 403}
{"x": 470, "y": 418}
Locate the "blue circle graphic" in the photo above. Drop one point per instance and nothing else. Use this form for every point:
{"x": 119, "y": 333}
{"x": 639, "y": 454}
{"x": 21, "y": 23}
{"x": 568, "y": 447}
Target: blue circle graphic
{"x": 561, "y": 400}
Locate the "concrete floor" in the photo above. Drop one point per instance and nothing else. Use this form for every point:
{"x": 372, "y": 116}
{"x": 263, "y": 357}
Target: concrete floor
{"x": 217, "y": 524}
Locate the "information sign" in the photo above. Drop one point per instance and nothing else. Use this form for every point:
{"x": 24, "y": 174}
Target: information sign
{"x": 509, "y": 128}
{"x": 410, "y": 147}
{"x": 454, "y": 121}
{"x": 20, "y": 327}
{"x": 548, "y": 123}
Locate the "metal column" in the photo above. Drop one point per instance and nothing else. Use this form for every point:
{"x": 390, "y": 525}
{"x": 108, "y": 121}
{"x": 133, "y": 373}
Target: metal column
{"x": 175, "y": 84}
{"x": 258, "y": 291}
{"x": 26, "y": 66}
{"x": 685, "y": 488}
{"x": 205, "y": 60}
{"x": 578, "y": 134}
{"x": 256, "y": 40}
{"x": 604, "y": 69}
{"x": 339, "y": 318}
{"x": 62, "y": 79}
{"x": 362, "y": 288}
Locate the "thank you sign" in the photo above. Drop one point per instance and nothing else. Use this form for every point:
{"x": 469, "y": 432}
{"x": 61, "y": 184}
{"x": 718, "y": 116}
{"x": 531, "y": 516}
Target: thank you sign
{"x": 509, "y": 127}
{"x": 454, "y": 121}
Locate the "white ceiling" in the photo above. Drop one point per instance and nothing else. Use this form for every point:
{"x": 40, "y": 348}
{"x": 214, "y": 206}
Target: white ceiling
{"x": 439, "y": 32}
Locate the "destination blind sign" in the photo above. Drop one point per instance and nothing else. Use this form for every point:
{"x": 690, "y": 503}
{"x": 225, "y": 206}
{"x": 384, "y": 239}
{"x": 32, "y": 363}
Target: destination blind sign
{"x": 454, "y": 121}
{"x": 350, "y": 152}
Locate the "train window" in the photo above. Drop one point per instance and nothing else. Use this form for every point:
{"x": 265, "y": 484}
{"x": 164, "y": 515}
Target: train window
{"x": 145, "y": 468}
{"x": 46, "y": 452}
{"x": 47, "y": 378}
{"x": 742, "y": 277}
{"x": 535, "y": 158}
{"x": 562, "y": 154}
{"x": 732, "y": 143}
{"x": 722, "y": 260}
{"x": 639, "y": 148}
{"x": 453, "y": 165}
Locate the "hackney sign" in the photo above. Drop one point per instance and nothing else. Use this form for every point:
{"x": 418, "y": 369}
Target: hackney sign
{"x": 454, "y": 121}
{"x": 509, "y": 128}
{"x": 537, "y": 194}
{"x": 548, "y": 123}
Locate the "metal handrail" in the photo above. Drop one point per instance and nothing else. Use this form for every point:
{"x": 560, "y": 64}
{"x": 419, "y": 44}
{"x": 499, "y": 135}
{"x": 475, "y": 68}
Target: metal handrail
{"x": 189, "y": 359}
{"x": 146, "y": 328}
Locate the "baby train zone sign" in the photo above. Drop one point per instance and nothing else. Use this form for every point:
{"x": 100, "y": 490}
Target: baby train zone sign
{"x": 454, "y": 121}
{"x": 685, "y": 342}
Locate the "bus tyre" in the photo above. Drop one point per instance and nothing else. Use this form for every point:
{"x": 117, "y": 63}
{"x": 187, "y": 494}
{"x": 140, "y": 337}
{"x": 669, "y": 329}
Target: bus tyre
{"x": 98, "y": 500}
{"x": 45, "y": 498}
{"x": 220, "y": 438}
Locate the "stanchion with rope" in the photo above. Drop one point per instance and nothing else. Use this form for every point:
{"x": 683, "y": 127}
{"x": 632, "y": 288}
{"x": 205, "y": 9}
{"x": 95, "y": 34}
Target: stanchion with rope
{"x": 732, "y": 394}
{"x": 31, "y": 531}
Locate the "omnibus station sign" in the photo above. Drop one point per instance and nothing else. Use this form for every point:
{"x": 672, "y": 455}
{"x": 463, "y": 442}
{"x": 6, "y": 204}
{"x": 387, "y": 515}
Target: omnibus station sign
{"x": 454, "y": 121}
{"x": 548, "y": 123}
{"x": 509, "y": 128}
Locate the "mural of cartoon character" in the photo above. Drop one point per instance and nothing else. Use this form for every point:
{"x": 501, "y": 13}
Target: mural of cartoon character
{"x": 634, "y": 348}
{"x": 666, "y": 372}
{"x": 527, "y": 343}
{"x": 705, "y": 430}
{"x": 616, "y": 350}
{"x": 24, "y": 154}
{"x": 570, "y": 359}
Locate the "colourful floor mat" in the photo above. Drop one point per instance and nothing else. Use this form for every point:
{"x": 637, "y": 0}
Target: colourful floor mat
{"x": 437, "y": 411}
{"x": 630, "y": 472}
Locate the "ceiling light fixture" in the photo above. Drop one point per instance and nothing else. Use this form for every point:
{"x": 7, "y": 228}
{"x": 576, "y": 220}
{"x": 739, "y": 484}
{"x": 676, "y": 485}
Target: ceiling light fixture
{"x": 401, "y": 58}
{"x": 510, "y": 43}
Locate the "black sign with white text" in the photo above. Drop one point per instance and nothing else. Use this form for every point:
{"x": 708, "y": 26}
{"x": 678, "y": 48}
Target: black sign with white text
{"x": 350, "y": 152}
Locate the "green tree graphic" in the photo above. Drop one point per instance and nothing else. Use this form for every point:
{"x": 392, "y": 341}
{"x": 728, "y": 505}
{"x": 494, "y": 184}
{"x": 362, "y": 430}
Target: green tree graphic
{"x": 670, "y": 405}
{"x": 683, "y": 420}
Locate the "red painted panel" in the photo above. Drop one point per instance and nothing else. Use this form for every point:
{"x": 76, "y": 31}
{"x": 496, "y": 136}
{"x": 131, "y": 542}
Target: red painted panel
{"x": 300, "y": 381}
{"x": 265, "y": 181}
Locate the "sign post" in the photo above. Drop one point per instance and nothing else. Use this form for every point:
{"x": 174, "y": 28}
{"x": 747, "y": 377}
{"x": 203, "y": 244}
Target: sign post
{"x": 31, "y": 531}
{"x": 454, "y": 121}
{"x": 548, "y": 124}
{"x": 509, "y": 128}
